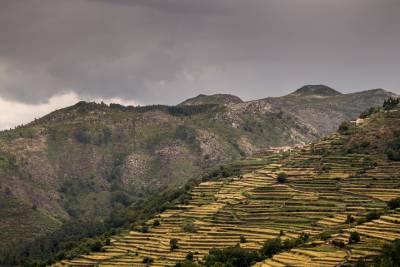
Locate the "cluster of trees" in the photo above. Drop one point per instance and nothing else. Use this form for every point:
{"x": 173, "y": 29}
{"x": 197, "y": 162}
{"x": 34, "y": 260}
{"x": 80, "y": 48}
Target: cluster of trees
{"x": 345, "y": 128}
{"x": 394, "y": 203}
{"x": 7, "y": 160}
{"x": 77, "y": 237}
{"x": 240, "y": 257}
{"x": 86, "y": 135}
{"x": 391, "y": 103}
{"x": 172, "y": 110}
{"x": 69, "y": 241}
{"x": 389, "y": 257}
{"x": 184, "y": 110}
{"x": 393, "y": 151}
{"x": 370, "y": 111}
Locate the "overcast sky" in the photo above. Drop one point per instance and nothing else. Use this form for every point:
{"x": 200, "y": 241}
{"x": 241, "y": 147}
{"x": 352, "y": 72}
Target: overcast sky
{"x": 56, "y": 52}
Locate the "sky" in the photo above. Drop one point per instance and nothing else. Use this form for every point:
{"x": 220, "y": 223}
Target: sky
{"x": 54, "y": 53}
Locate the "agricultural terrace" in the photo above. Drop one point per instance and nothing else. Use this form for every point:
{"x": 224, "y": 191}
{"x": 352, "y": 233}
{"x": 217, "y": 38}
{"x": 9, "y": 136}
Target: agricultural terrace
{"x": 323, "y": 189}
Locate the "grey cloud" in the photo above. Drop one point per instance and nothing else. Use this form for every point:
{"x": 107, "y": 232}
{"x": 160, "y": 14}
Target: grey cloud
{"x": 162, "y": 51}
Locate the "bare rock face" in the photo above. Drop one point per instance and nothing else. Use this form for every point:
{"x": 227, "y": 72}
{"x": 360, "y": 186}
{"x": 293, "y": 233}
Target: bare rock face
{"x": 210, "y": 146}
{"x": 135, "y": 167}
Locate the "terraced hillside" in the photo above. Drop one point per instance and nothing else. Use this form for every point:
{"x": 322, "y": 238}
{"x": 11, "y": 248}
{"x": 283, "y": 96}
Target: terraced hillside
{"x": 96, "y": 162}
{"x": 334, "y": 187}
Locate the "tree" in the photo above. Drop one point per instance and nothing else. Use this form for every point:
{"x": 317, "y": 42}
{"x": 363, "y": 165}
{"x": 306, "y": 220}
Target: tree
{"x": 189, "y": 256}
{"x": 394, "y": 203}
{"x": 271, "y": 247}
{"x": 344, "y": 127}
{"x": 173, "y": 243}
{"x": 391, "y": 103}
{"x": 243, "y": 239}
{"x": 156, "y": 223}
{"x": 349, "y": 219}
{"x": 148, "y": 260}
{"x": 372, "y": 215}
{"x": 393, "y": 150}
{"x": 282, "y": 177}
{"x": 96, "y": 246}
{"x": 354, "y": 237}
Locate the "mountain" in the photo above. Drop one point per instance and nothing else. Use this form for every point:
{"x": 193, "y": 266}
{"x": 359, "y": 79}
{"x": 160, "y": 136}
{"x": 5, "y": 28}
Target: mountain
{"x": 219, "y": 99}
{"x": 315, "y": 91}
{"x": 330, "y": 203}
{"x": 324, "y": 111}
{"x": 92, "y": 164}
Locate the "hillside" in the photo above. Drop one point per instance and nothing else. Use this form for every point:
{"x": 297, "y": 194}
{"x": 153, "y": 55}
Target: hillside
{"x": 218, "y": 99}
{"x": 329, "y": 207}
{"x": 93, "y": 163}
{"x": 316, "y": 91}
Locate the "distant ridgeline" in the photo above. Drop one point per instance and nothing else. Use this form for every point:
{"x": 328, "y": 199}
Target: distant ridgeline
{"x": 74, "y": 181}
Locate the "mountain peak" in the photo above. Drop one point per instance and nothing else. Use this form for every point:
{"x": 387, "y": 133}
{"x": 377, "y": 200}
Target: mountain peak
{"x": 220, "y": 99}
{"x": 319, "y": 90}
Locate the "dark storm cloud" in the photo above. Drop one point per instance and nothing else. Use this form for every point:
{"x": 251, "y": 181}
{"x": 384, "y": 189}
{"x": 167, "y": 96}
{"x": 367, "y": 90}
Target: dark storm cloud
{"x": 162, "y": 51}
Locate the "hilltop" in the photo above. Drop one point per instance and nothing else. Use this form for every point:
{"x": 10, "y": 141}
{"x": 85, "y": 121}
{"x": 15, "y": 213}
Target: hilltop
{"x": 93, "y": 166}
{"x": 218, "y": 99}
{"x": 315, "y": 91}
{"x": 330, "y": 203}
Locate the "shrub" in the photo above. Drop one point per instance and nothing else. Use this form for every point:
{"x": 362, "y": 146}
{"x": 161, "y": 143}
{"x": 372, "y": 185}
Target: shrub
{"x": 173, "y": 243}
{"x": 271, "y": 247}
{"x": 282, "y": 177}
{"x": 144, "y": 229}
{"x": 325, "y": 235}
{"x": 393, "y": 150}
{"x": 369, "y": 112}
{"x": 189, "y": 256}
{"x": 394, "y": 203}
{"x": 393, "y": 155}
{"x": 82, "y": 135}
{"x": 344, "y": 127}
{"x": 120, "y": 197}
{"x": 349, "y": 219}
{"x": 354, "y": 237}
{"x": 338, "y": 243}
{"x": 361, "y": 263}
{"x": 148, "y": 260}
{"x": 372, "y": 215}
{"x": 243, "y": 239}
{"x": 304, "y": 237}
{"x": 156, "y": 223}
{"x": 187, "y": 263}
{"x": 369, "y": 163}
{"x": 190, "y": 227}
{"x": 96, "y": 246}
